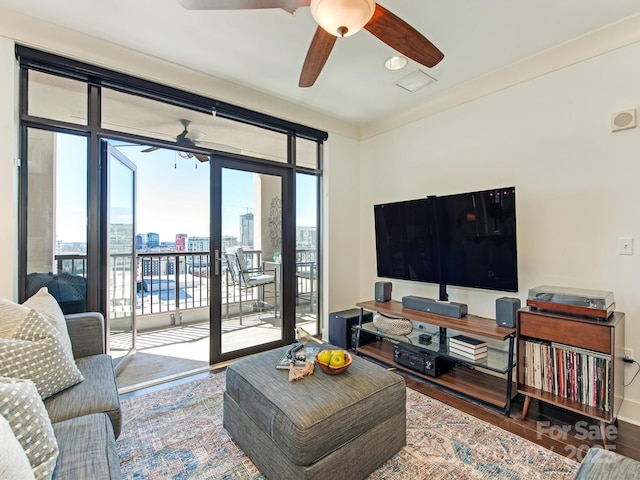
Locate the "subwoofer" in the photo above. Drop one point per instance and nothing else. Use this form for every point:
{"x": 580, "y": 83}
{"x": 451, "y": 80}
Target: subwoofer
{"x": 340, "y": 324}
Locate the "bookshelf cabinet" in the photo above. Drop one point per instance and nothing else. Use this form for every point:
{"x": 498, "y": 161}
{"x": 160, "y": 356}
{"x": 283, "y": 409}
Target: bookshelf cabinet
{"x": 488, "y": 380}
{"x": 602, "y": 339}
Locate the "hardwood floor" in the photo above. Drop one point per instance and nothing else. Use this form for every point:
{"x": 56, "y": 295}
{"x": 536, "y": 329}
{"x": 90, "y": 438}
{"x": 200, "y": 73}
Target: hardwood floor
{"x": 563, "y": 432}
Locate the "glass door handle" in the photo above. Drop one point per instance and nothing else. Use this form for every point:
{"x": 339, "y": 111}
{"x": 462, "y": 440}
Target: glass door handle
{"x": 217, "y": 262}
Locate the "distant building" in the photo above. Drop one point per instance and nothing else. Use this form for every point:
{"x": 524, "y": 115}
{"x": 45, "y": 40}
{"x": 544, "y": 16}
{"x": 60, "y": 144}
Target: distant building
{"x": 198, "y": 244}
{"x": 71, "y": 248}
{"x": 153, "y": 240}
{"x": 229, "y": 243}
{"x": 160, "y": 266}
{"x": 181, "y": 242}
{"x": 306, "y": 237}
{"x": 246, "y": 230}
{"x": 140, "y": 244}
{"x": 120, "y": 236}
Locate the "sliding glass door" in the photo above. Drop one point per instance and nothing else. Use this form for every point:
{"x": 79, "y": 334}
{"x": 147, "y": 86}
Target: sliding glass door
{"x": 121, "y": 254}
{"x": 252, "y": 308}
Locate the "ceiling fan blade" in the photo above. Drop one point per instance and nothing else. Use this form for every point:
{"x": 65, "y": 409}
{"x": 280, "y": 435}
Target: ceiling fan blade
{"x": 202, "y": 158}
{"x": 150, "y": 149}
{"x": 402, "y": 37}
{"x": 319, "y": 51}
{"x": 241, "y": 4}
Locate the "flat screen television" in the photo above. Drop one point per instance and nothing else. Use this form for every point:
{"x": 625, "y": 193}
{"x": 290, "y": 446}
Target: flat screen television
{"x": 465, "y": 239}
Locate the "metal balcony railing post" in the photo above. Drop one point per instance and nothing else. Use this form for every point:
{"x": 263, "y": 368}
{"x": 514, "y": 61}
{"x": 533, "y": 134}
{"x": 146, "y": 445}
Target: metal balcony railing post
{"x": 176, "y": 276}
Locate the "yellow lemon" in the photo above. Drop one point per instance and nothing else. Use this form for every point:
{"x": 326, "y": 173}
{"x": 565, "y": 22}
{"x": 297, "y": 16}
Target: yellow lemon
{"x": 337, "y": 360}
{"x": 325, "y": 356}
{"x": 337, "y": 352}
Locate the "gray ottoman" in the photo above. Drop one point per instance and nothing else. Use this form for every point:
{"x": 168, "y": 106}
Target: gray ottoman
{"x": 324, "y": 426}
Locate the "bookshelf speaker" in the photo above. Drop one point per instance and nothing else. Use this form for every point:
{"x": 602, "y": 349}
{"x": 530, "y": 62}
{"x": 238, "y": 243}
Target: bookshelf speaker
{"x": 383, "y": 291}
{"x": 506, "y": 309}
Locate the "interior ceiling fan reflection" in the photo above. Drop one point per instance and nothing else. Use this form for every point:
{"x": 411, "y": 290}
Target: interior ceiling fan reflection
{"x": 186, "y": 138}
{"x": 340, "y": 18}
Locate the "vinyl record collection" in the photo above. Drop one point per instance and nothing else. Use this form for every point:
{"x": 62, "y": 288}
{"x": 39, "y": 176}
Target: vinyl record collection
{"x": 570, "y": 372}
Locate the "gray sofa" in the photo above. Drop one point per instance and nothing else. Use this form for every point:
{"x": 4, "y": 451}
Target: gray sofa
{"x": 602, "y": 464}
{"x": 86, "y": 418}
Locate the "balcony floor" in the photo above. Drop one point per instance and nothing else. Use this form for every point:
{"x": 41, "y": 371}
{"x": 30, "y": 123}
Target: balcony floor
{"x": 173, "y": 352}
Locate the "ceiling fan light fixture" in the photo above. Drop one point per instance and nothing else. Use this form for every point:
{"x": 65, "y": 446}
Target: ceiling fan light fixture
{"x": 342, "y": 18}
{"x": 396, "y": 63}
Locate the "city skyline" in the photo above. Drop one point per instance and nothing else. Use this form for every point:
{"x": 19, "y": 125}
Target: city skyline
{"x": 306, "y": 236}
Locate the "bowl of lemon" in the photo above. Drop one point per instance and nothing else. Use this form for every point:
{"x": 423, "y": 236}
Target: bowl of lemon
{"x": 333, "y": 362}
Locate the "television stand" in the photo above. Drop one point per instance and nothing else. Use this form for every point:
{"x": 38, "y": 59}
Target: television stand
{"x": 488, "y": 381}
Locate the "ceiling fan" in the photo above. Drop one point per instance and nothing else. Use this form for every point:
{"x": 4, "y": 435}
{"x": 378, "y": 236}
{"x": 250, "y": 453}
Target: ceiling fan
{"x": 340, "y": 18}
{"x": 185, "y": 138}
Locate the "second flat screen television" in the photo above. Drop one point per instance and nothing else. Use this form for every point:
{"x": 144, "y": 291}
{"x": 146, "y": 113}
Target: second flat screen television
{"x": 466, "y": 240}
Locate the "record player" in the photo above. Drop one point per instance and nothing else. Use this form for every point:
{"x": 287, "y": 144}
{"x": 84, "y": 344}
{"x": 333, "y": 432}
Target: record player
{"x": 574, "y": 301}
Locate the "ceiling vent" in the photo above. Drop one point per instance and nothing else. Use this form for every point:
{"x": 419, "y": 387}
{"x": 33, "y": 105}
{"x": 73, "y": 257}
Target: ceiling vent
{"x": 414, "y": 81}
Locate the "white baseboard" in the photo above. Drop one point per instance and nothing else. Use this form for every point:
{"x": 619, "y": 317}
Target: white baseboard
{"x": 630, "y": 412}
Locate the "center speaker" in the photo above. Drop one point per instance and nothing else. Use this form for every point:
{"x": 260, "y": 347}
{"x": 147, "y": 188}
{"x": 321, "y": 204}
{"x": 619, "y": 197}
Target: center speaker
{"x": 447, "y": 309}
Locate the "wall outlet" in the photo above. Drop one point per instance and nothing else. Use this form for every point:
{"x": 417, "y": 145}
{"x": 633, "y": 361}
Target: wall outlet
{"x": 628, "y": 354}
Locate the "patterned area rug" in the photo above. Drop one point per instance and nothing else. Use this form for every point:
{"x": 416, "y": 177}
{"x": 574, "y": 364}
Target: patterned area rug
{"x": 177, "y": 433}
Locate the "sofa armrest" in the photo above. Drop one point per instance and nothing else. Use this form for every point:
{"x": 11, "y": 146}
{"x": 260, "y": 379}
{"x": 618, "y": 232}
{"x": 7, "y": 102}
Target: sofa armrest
{"x": 602, "y": 463}
{"x": 86, "y": 331}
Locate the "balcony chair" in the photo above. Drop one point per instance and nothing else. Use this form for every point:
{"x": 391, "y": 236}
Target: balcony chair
{"x": 247, "y": 279}
{"x": 306, "y": 272}
{"x": 69, "y": 290}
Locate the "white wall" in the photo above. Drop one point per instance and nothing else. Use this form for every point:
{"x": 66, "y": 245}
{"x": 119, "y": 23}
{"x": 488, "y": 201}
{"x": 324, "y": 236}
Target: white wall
{"x": 576, "y": 182}
{"x": 8, "y": 171}
{"x": 341, "y": 243}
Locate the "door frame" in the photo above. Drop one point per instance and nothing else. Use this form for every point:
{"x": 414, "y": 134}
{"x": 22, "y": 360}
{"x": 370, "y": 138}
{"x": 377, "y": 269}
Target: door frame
{"x": 108, "y": 151}
{"x": 287, "y": 280}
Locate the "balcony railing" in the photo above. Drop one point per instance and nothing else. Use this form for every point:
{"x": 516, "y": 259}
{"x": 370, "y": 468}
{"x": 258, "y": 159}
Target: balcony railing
{"x": 72, "y": 264}
{"x": 178, "y": 281}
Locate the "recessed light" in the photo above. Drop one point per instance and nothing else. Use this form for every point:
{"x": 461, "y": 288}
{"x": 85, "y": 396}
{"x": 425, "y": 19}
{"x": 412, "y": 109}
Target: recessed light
{"x": 415, "y": 80}
{"x": 395, "y": 63}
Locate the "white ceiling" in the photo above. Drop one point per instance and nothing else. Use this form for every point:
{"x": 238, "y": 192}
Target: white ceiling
{"x": 264, "y": 49}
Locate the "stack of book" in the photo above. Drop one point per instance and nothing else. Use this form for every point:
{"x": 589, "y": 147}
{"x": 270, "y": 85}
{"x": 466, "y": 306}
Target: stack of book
{"x": 468, "y": 347}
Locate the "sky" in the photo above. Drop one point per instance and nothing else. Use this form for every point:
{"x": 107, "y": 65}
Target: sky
{"x": 71, "y": 190}
{"x": 172, "y": 193}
